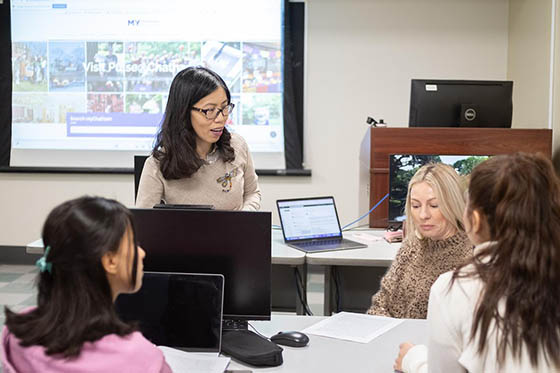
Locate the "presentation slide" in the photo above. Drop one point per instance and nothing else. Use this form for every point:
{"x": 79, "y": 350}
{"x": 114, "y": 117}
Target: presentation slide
{"x": 91, "y": 78}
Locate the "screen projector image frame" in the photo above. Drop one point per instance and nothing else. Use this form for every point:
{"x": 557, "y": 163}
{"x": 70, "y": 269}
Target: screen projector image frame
{"x": 402, "y": 168}
{"x": 90, "y": 79}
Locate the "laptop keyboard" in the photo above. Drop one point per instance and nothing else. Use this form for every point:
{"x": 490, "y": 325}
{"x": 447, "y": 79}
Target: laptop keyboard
{"x": 334, "y": 243}
{"x": 327, "y": 245}
{"x": 320, "y": 243}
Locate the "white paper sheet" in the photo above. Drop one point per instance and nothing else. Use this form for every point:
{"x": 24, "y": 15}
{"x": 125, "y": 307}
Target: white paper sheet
{"x": 182, "y": 361}
{"x": 363, "y": 237}
{"x": 354, "y": 327}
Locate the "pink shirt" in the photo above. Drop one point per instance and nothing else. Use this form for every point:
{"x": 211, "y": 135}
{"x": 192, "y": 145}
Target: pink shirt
{"x": 131, "y": 353}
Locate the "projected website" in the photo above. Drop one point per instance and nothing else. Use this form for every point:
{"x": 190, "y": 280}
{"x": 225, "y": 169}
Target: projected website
{"x": 96, "y": 75}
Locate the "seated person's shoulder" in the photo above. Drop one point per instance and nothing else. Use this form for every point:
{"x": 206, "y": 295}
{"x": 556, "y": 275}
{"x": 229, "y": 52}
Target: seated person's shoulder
{"x": 131, "y": 341}
{"x": 134, "y": 347}
{"x": 462, "y": 286}
{"x": 443, "y": 281}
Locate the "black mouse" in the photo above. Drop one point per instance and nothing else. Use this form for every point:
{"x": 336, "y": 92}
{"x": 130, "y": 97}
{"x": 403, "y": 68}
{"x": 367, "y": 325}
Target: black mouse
{"x": 292, "y": 339}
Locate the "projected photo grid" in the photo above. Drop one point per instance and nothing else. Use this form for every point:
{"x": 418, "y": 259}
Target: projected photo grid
{"x": 94, "y": 86}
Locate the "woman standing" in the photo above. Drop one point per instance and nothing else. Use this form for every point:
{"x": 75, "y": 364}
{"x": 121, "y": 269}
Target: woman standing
{"x": 195, "y": 159}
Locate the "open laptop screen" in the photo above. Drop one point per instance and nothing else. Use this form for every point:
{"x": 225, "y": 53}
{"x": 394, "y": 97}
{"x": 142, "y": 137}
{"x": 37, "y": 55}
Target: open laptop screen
{"x": 309, "y": 218}
{"x": 179, "y": 310}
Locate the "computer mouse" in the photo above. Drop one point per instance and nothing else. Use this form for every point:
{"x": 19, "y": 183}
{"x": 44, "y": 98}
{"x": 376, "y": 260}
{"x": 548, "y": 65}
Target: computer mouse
{"x": 292, "y": 339}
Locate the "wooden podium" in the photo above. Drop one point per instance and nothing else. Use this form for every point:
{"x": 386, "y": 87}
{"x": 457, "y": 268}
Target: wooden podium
{"x": 379, "y": 143}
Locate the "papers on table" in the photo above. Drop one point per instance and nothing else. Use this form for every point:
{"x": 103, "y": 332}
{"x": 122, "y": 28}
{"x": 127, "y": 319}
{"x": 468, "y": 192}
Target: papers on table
{"x": 354, "y": 327}
{"x": 363, "y": 237}
{"x": 182, "y": 361}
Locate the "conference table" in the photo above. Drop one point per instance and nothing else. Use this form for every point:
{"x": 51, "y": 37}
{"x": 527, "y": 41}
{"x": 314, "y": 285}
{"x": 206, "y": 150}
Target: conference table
{"x": 325, "y": 355}
{"x": 378, "y": 255}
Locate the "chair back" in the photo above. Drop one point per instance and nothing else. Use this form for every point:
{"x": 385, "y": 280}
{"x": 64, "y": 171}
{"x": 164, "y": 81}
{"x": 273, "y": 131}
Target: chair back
{"x": 139, "y": 161}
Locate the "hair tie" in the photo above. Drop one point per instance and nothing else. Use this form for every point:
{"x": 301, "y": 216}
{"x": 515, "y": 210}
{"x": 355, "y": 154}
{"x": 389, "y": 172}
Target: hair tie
{"x": 42, "y": 263}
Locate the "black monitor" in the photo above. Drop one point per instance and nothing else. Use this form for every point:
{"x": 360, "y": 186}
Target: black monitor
{"x": 403, "y": 166}
{"x": 236, "y": 244}
{"x": 460, "y": 103}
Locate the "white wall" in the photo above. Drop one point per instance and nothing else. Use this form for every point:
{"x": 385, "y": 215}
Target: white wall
{"x": 529, "y": 61}
{"x": 361, "y": 55}
{"x": 556, "y": 91}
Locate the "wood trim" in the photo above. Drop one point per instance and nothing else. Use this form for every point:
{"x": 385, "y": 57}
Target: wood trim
{"x": 443, "y": 141}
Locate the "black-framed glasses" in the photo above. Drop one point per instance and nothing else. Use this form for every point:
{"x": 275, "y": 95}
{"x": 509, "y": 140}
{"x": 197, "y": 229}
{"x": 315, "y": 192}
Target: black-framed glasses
{"x": 212, "y": 114}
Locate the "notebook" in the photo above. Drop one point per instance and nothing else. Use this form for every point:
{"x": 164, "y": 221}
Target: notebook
{"x": 179, "y": 310}
{"x": 312, "y": 225}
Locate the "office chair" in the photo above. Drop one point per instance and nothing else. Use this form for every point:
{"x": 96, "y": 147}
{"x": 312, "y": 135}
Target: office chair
{"x": 139, "y": 161}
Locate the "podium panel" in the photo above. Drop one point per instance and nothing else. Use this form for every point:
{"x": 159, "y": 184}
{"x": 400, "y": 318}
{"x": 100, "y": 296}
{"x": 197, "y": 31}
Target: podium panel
{"x": 379, "y": 143}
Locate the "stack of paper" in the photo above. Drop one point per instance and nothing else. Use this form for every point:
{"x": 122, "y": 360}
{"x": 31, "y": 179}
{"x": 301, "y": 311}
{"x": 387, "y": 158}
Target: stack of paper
{"x": 181, "y": 361}
{"x": 356, "y": 327}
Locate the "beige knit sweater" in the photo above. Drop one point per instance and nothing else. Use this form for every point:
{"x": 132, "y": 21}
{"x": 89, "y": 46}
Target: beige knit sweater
{"x": 225, "y": 185}
{"x": 405, "y": 288}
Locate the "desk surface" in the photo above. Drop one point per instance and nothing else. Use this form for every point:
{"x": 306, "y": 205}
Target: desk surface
{"x": 325, "y": 355}
{"x": 35, "y": 247}
{"x": 284, "y": 254}
{"x": 379, "y": 253}
{"x": 281, "y": 253}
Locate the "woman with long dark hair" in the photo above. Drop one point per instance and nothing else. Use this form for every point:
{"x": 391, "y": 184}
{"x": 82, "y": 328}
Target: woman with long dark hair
{"x": 91, "y": 256}
{"x": 500, "y": 312}
{"x": 196, "y": 160}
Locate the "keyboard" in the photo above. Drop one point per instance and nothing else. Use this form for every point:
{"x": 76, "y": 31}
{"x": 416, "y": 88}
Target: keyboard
{"x": 320, "y": 243}
{"x": 327, "y": 245}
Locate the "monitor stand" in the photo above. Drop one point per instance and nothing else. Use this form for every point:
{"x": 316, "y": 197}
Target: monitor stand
{"x": 241, "y": 343}
{"x": 235, "y": 325}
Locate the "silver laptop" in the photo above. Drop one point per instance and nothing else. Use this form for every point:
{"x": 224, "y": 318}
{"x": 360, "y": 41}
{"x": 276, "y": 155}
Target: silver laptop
{"x": 179, "y": 310}
{"x": 312, "y": 225}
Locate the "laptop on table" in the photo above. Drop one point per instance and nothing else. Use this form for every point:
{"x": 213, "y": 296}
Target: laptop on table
{"x": 179, "y": 310}
{"x": 312, "y": 225}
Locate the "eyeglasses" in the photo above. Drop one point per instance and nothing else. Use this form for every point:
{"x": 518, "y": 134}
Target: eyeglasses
{"x": 212, "y": 114}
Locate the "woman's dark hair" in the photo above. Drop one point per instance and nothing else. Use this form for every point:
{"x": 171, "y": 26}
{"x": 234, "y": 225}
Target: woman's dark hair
{"x": 175, "y": 146}
{"x": 518, "y": 196}
{"x": 75, "y": 303}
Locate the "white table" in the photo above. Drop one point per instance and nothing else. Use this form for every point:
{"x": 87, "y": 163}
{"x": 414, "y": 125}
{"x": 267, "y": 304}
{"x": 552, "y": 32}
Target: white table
{"x": 379, "y": 253}
{"x": 281, "y": 253}
{"x": 35, "y": 247}
{"x": 284, "y": 255}
{"x": 325, "y": 355}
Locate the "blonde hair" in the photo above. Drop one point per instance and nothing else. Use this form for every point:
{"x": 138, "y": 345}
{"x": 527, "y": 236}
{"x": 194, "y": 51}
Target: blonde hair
{"x": 448, "y": 187}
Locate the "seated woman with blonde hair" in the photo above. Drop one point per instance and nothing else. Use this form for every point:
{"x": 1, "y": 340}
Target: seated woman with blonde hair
{"x": 436, "y": 242}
